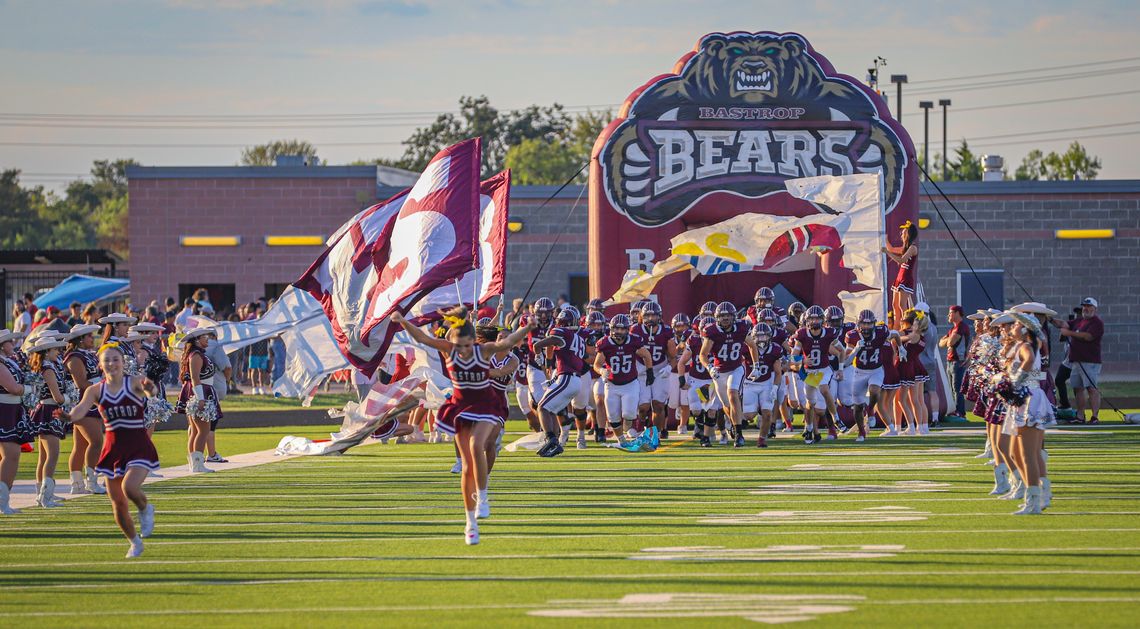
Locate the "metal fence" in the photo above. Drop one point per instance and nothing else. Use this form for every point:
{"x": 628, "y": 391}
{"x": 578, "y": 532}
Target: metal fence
{"x": 15, "y": 283}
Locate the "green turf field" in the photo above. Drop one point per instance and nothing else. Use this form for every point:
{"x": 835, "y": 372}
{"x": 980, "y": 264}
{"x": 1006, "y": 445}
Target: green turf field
{"x": 895, "y": 532}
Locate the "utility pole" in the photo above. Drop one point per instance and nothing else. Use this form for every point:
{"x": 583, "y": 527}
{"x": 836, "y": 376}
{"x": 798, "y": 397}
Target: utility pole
{"x": 926, "y": 106}
{"x": 898, "y": 80}
{"x": 944, "y": 102}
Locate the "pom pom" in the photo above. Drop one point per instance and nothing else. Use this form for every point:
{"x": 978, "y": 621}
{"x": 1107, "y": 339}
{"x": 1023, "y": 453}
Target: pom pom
{"x": 71, "y": 395}
{"x": 158, "y": 410}
{"x": 208, "y": 412}
{"x": 32, "y": 385}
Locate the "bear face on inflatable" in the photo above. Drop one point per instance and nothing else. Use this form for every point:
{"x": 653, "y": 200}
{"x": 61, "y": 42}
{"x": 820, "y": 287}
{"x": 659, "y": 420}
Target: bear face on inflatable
{"x": 739, "y": 115}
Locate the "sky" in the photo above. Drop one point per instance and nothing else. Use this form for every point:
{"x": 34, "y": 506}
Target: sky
{"x": 189, "y": 82}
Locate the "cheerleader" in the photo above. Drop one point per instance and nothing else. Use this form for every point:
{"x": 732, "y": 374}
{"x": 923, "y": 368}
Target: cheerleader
{"x": 48, "y": 429}
{"x": 487, "y": 332}
{"x": 14, "y": 429}
{"x": 906, "y": 256}
{"x": 83, "y": 370}
{"x": 473, "y": 413}
{"x": 116, "y": 327}
{"x": 128, "y": 453}
{"x": 890, "y": 392}
{"x": 197, "y": 401}
{"x": 1001, "y": 354}
{"x": 1025, "y": 422}
{"x": 912, "y": 373}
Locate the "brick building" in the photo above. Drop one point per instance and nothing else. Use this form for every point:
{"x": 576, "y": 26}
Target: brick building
{"x": 257, "y": 222}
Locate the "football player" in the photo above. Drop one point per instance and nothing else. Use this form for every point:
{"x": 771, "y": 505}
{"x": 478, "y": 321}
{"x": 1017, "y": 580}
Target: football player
{"x": 722, "y": 353}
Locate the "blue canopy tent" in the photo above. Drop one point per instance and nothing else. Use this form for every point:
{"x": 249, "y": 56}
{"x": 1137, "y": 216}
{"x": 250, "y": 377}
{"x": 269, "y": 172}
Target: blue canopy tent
{"x": 84, "y": 289}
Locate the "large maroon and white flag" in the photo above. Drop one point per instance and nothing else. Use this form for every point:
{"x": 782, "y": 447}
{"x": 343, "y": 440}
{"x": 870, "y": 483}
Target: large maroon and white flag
{"x": 390, "y": 255}
{"x": 486, "y": 281}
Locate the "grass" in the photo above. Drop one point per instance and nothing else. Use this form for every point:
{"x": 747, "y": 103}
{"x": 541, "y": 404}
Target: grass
{"x": 374, "y": 538}
{"x": 268, "y": 403}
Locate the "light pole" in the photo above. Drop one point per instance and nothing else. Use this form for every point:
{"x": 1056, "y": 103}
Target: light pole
{"x": 926, "y": 106}
{"x": 898, "y": 80}
{"x": 944, "y": 102}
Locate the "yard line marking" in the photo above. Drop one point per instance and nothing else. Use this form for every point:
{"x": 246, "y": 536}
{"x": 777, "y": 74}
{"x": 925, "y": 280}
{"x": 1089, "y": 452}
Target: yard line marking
{"x": 751, "y": 535}
{"x": 548, "y": 556}
{"x": 208, "y": 581}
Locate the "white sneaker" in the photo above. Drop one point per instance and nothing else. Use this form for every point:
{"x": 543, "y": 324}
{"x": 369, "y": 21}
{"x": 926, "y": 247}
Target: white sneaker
{"x": 146, "y": 520}
{"x": 458, "y": 467}
{"x": 1016, "y": 492}
{"x": 471, "y": 535}
{"x": 1046, "y": 493}
{"x": 433, "y": 437}
{"x": 681, "y": 431}
{"x": 5, "y": 507}
{"x": 483, "y": 509}
{"x": 889, "y": 432}
{"x": 831, "y": 437}
{"x": 581, "y": 442}
{"x": 77, "y": 489}
{"x": 563, "y": 437}
{"x": 860, "y": 439}
{"x": 136, "y": 549}
{"x": 911, "y": 432}
{"x": 986, "y": 454}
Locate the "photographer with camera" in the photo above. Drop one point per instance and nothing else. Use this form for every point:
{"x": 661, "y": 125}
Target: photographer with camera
{"x": 1084, "y": 335}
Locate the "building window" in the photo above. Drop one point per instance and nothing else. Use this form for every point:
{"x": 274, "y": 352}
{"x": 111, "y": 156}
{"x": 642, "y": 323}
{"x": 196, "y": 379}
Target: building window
{"x": 975, "y": 291}
{"x": 579, "y": 289}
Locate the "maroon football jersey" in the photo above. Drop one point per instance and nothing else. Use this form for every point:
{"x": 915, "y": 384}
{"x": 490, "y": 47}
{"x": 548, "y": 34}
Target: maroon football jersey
{"x": 536, "y": 359}
{"x": 622, "y": 359}
{"x": 656, "y": 341}
{"x": 569, "y": 352}
{"x": 696, "y": 370}
{"x": 871, "y": 355}
{"x": 768, "y": 357}
{"x": 727, "y": 345}
{"x": 815, "y": 348}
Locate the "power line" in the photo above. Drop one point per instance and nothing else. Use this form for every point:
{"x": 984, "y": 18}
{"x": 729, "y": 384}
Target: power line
{"x": 1027, "y": 81}
{"x": 974, "y": 77}
{"x": 1047, "y": 131}
{"x": 1065, "y": 139}
{"x": 152, "y": 145}
{"x": 17, "y": 116}
{"x": 1067, "y": 100}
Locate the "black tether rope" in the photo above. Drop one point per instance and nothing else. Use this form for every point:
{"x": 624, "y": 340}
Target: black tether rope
{"x": 981, "y": 285}
{"x": 562, "y": 230}
{"x": 971, "y": 228}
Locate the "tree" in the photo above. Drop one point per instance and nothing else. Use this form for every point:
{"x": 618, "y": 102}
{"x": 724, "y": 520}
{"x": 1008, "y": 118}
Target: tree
{"x": 20, "y": 224}
{"x": 537, "y": 161}
{"x": 266, "y": 154}
{"x": 477, "y": 118}
{"x": 103, "y": 201}
{"x": 1074, "y": 163}
{"x": 966, "y": 166}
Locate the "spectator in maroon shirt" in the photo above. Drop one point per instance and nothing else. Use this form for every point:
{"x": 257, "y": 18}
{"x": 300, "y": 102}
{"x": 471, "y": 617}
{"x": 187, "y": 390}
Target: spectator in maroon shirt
{"x": 956, "y": 341}
{"x": 1084, "y": 336}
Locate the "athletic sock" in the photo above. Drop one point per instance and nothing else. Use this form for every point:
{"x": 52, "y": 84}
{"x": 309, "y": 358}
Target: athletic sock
{"x": 472, "y": 520}
{"x": 483, "y": 496}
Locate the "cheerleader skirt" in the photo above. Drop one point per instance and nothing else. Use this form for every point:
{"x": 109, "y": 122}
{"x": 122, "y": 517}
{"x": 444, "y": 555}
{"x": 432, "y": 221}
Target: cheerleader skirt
{"x": 125, "y": 448}
{"x": 14, "y": 426}
{"x": 1035, "y": 412}
{"x": 43, "y": 424}
{"x": 473, "y": 405}
{"x": 188, "y": 391}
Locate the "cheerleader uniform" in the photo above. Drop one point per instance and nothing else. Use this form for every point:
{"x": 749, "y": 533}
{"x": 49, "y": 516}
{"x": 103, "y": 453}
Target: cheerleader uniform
{"x": 130, "y": 359}
{"x": 42, "y": 421}
{"x": 472, "y": 396}
{"x": 126, "y": 445}
{"x": 905, "y": 279}
{"x": 1035, "y": 411}
{"x": 211, "y": 397}
{"x": 891, "y": 379}
{"x": 91, "y": 370}
{"x": 915, "y": 370}
{"x": 14, "y": 426}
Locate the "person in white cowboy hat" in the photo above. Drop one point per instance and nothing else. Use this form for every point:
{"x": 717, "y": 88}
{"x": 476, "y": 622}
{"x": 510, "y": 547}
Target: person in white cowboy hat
{"x": 198, "y": 400}
{"x": 1085, "y": 335}
{"x": 1043, "y": 315}
{"x": 153, "y": 361}
{"x": 1025, "y": 423}
{"x": 48, "y": 429}
{"x": 14, "y": 428}
{"x": 116, "y": 327}
{"x": 82, "y": 367}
